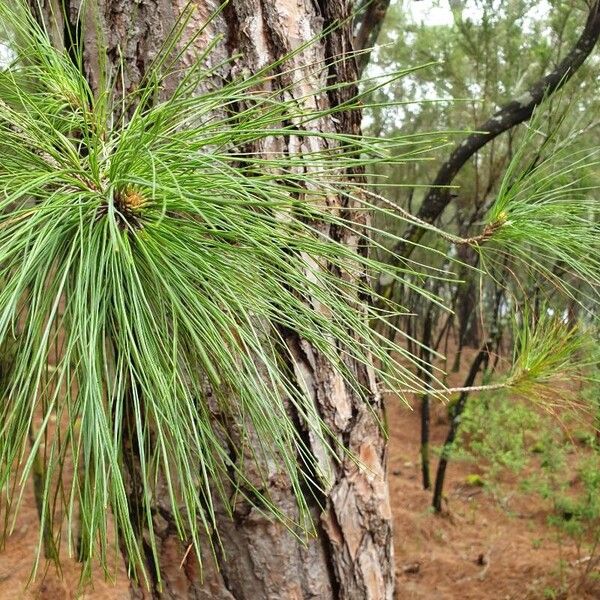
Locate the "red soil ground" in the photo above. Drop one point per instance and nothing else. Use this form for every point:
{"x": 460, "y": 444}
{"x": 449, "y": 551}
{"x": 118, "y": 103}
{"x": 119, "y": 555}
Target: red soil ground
{"x": 484, "y": 548}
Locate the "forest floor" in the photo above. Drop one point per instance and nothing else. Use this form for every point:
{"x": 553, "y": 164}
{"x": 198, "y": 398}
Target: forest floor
{"x": 488, "y": 545}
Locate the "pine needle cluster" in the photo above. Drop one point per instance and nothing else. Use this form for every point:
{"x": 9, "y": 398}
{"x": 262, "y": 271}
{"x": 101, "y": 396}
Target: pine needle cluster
{"x": 154, "y": 265}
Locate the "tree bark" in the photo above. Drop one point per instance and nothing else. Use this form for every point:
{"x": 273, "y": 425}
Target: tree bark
{"x": 350, "y": 556}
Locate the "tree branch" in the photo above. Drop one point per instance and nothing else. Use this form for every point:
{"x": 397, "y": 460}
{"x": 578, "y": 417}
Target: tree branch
{"x": 515, "y": 112}
{"x": 367, "y": 30}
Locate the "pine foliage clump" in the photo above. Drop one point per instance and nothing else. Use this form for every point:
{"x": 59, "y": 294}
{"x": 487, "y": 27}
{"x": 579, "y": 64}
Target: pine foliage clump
{"x": 153, "y": 266}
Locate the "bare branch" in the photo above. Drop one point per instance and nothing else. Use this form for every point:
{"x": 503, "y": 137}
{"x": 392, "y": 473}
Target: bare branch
{"x": 367, "y": 30}
{"x": 515, "y": 112}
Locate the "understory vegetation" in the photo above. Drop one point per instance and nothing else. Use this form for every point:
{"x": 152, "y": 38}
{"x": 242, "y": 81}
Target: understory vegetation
{"x": 555, "y": 460}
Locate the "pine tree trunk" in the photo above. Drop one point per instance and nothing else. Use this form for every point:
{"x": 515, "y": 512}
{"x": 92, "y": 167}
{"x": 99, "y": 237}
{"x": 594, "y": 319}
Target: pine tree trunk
{"x": 350, "y": 558}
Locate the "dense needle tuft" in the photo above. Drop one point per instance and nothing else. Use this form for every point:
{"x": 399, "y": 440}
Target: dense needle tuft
{"x": 129, "y": 206}
{"x": 156, "y": 265}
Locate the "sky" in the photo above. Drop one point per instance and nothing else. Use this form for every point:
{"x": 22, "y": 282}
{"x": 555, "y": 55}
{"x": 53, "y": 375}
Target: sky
{"x": 4, "y": 54}
{"x": 431, "y": 12}
{"x": 439, "y": 12}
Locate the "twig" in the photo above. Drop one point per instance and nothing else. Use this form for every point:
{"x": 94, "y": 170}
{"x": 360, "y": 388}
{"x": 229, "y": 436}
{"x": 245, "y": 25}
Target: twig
{"x": 453, "y": 390}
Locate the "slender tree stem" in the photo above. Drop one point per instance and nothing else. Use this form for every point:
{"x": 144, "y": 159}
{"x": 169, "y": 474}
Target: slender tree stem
{"x": 425, "y": 417}
{"x": 480, "y": 361}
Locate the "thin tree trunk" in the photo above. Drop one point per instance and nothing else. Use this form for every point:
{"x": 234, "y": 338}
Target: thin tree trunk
{"x": 350, "y": 557}
{"x": 368, "y": 27}
{"x": 480, "y": 361}
{"x": 426, "y": 376}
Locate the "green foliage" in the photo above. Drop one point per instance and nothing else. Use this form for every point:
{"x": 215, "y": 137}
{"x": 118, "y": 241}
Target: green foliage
{"x": 578, "y": 514}
{"x": 550, "y": 358}
{"x": 474, "y": 480}
{"x": 535, "y": 186}
{"x": 535, "y": 190}
{"x": 482, "y": 55}
{"x": 164, "y": 264}
{"x": 159, "y": 258}
{"x": 497, "y": 432}
{"x": 551, "y": 593}
{"x": 546, "y": 208}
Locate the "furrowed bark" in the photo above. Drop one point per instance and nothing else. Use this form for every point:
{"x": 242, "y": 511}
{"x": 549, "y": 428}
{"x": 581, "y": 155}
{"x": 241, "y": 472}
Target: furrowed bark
{"x": 350, "y": 556}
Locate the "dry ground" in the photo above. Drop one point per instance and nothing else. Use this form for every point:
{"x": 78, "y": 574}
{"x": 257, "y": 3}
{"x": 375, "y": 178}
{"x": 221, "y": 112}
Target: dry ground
{"x": 485, "y": 547}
